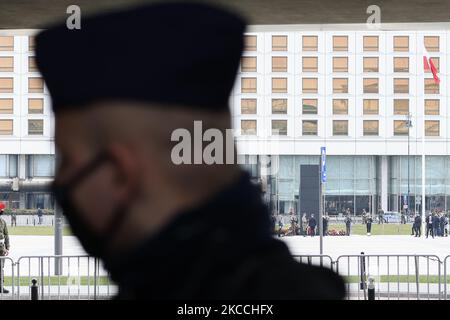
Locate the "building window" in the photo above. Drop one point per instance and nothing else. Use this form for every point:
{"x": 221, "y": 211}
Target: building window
{"x": 248, "y": 85}
{"x": 432, "y": 107}
{"x": 401, "y": 85}
{"x": 248, "y": 64}
{"x": 370, "y": 106}
{"x": 40, "y": 166}
{"x": 432, "y": 128}
{"x": 370, "y": 43}
{"x": 340, "y": 127}
{"x": 248, "y": 127}
{"x": 340, "y": 106}
{"x": 431, "y": 43}
{"x": 36, "y": 127}
{"x": 310, "y": 43}
{"x": 279, "y": 106}
{"x": 279, "y": 127}
{"x": 309, "y": 64}
{"x": 309, "y": 127}
{"x": 6, "y": 106}
{"x": 6, "y": 43}
{"x": 370, "y": 85}
{"x": 401, "y": 64}
{"x": 32, "y": 64}
{"x": 401, "y": 106}
{"x": 370, "y": 64}
{"x": 309, "y": 85}
{"x": 431, "y": 87}
{"x": 401, "y": 43}
{"x": 249, "y": 43}
{"x": 35, "y": 85}
{"x": 6, "y": 127}
{"x": 340, "y": 64}
{"x": 36, "y": 106}
{"x": 248, "y": 106}
{"x": 400, "y": 128}
{"x": 6, "y": 64}
{"x": 309, "y": 106}
{"x": 279, "y": 85}
{"x": 6, "y": 85}
{"x": 340, "y": 85}
{"x": 370, "y": 127}
{"x": 279, "y": 64}
{"x": 279, "y": 43}
{"x": 8, "y": 166}
{"x": 340, "y": 43}
{"x": 436, "y": 64}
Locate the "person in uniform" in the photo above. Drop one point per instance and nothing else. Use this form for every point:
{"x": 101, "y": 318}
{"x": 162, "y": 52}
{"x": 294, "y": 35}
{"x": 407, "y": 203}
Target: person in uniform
{"x": 130, "y": 91}
{"x": 4, "y": 249}
{"x": 13, "y": 217}
{"x": 348, "y": 224}
{"x": 304, "y": 225}
{"x": 369, "y": 221}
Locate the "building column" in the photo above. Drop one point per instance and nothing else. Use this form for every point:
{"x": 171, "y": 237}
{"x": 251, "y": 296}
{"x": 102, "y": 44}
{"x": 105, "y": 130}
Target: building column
{"x": 384, "y": 182}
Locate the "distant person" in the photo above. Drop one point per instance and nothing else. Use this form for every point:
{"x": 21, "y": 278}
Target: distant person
{"x": 380, "y": 216}
{"x": 274, "y": 222}
{"x": 294, "y": 222}
{"x": 39, "y": 214}
{"x": 403, "y": 217}
{"x": 441, "y": 225}
{"x": 364, "y": 216}
{"x": 417, "y": 225}
{"x": 446, "y": 224}
{"x": 280, "y": 225}
{"x": 4, "y": 249}
{"x": 325, "y": 224}
{"x": 369, "y": 221}
{"x": 429, "y": 225}
{"x": 304, "y": 225}
{"x": 435, "y": 224}
{"x": 312, "y": 223}
{"x": 13, "y": 217}
{"x": 348, "y": 224}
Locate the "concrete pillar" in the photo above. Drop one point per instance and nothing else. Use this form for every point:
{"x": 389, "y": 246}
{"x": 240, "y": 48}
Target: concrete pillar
{"x": 384, "y": 182}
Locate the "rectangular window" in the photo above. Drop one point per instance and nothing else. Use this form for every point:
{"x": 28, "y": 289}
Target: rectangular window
{"x": 279, "y": 106}
{"x": 370, "y": 43}
{"x": 370, "y": 64}
{"x": 32, "y": 64}
{"x": 431, "y": 87}
{"x": 340, "y": 127}
{"x": 340, "y": 64}
{"x": 6, "y": 106}
{"x": 248, "y": 85}
{"x": 6, "y": 85}
{"x": 340, "y": 43}
{"x": 309, "y": 85}
{"x": 309, "y": 106}
{"x": 6, "y": 64}
{"x": 309, "y": 64}
{"x": 310, "y": 43}
{"x": 279, "y": 43}
{"x": 432, "y": 128}
{"x": 248, "y": 64}
{"x": 401, "y": 43}
{"x": 249, "y": 43}
{"x": 6, "y": 127}
{"x": 370, "y": 127}
{"x": 401, "y": 64}
{"x": 248, "y": 127}
{"x": 35, "y": 106}
{"x": 279, "y": 85}
{"x": 340, "y": 106}
{"x": 370, "y": 85}
{"x": 401, "y": 85}
{"x": 248, "y": 106}
{"x": 401, "y": 106}
{"x": 309, "y": 127}
{"x": 432, "y": 107}
{"x": 370, "y": 106}
{"x": 340, "y": 85}
{"x": 279, "y": 64}
{"x": 431, "y": 43}
{"x": 35, "y": 85}
{"x": 279, "y": 127}
{"x": 36, "y": 127}
{"x": 6, "y": 43}
{"x": 400, "y": 128}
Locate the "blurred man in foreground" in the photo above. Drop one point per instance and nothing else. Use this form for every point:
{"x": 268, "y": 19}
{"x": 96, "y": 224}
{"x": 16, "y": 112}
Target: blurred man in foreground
{"x": 121, "y": 87}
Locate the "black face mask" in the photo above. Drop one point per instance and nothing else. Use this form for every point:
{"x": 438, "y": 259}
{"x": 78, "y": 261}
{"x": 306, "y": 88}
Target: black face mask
{"x": 95, "y": 244}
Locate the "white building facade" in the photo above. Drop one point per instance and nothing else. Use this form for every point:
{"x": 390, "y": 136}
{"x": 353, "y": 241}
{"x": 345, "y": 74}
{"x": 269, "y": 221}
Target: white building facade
{"x": 26, "y": 125}
{"x": 352, "y": 90}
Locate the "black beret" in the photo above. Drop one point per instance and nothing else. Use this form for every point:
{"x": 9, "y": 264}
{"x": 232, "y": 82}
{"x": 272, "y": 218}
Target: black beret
{"x": 175, "y": 53}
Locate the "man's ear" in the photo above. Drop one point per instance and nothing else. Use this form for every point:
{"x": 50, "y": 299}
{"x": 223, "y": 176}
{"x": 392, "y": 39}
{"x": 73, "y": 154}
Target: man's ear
{"x": 126, "y": 171}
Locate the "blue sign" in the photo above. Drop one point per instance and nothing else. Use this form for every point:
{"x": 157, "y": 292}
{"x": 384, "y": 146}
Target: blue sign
{"x": 323, "y": 164}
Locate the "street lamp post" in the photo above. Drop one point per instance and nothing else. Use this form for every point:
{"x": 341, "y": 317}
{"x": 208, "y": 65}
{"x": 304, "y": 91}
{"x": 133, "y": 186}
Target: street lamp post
{"x": 409, "y": 126}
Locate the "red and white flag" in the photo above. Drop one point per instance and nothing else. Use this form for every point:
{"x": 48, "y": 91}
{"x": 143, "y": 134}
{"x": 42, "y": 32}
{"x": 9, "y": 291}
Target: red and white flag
{"x": 428, "y": 65}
